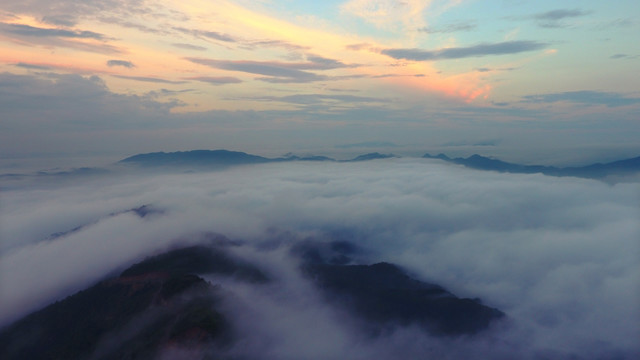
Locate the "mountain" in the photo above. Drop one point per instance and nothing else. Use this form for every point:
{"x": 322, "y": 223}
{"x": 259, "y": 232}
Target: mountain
{"x": 621, "y": 167}
{"x": 141, "y": 211}
{"x": 306, "y": 158}
{"x": 224, "y": 158}
{"x": 195, "y": 158}
{"x": 163, "y": 303}
{"x": 155, "y": 305}
{"x": 595, "y": 171}
{"x": 383, "y": 295}
{"x": 372, "y": 156}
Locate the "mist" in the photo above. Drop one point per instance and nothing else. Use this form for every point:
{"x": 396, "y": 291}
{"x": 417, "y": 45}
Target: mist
{"x": 559, "y": 256}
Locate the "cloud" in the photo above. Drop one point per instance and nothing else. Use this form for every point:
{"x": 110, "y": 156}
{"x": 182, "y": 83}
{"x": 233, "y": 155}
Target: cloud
{"x": 27, "y": 30}
{"x": 212, "y": 35}
{"x": 472, "y": 143}
{"x": 65, "y": 12}
{"x": 216, "y": 80}
{"x": 315, "y": 62}
{"x": 367, "y": 144}
{"x": 32, "y": 66}
{"x": 389, "y": 14}
{"x": 487, "y": 69}
{"x": 123, "y": 63}
{"x": 620, "y": 23}
{"x": 166, "y": 92}
{"x": 73, "y": 104}
{"x": 7, "y": 16}
{"x": 552, "y": 19}
{"x": 149, "y": 79}
{"x": 189, "y": 46}
{"x": 560, "y": 14}
{"x": 623, "y": 56}
{"x": 450, "y": 28}
{"x": 287, "y": 80}
{"x": 281, "y": 72}
{"x": 61, "y": 20}
{"x": 278, "y": 71}
{"x": 119, "y": 20}
{"x": 318, "y": 99}
{"x": 276, "y": 43}
{"x": 294, "y": 79}
{"x": 529, "y": 245}
{"x": 503, "y": 48}
{"x": 588, "y": 97}
{"x": 358, "y": 47}
{"x": 80, "y": 40}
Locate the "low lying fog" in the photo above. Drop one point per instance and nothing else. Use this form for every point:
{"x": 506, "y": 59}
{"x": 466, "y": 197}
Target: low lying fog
{"x": 560, "y": 256}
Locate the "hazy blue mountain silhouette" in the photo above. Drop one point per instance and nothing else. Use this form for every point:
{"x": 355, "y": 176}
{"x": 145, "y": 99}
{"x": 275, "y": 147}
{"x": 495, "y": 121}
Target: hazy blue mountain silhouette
{"x": 195, "y": 157}
{"x": 372, "y": 156}
{"x": 223, "y": 158}
{"x": 594, "y": 171}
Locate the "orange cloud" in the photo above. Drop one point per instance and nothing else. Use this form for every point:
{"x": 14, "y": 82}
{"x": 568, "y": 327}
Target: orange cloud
{"x": 238, "y": 33}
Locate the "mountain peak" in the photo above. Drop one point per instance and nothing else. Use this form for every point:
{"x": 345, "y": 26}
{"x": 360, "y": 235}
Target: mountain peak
{"x": 194, "y": 157}
{"x": 373, "y": 156}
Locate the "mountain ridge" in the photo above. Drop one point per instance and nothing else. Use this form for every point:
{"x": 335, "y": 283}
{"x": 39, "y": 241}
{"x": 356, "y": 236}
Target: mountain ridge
{"x": 593, "y": 171}
{"x": 221, "y": 157}
{"x": 163, "y": 302}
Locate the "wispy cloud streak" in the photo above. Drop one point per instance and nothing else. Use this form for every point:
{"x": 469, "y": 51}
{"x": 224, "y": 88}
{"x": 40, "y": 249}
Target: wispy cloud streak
{"x": 553, "y": 18}
{"x": 503, "y": 48}
{"x": 27, "y": 30}
{"x": 216, "y": 80}
{"x": 280, "y": 71}
{"x": 123, "y": 63}
{"x": 586, "y": 97}
{"x": 450, "y": 28}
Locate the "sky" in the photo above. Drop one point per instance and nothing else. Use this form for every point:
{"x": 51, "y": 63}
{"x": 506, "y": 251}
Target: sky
{"x": 545, "y": 81}
{"x": 559, "y": 256}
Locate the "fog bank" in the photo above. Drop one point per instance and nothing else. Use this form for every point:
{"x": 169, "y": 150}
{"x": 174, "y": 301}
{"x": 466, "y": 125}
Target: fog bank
{"x": 560, "y": 256}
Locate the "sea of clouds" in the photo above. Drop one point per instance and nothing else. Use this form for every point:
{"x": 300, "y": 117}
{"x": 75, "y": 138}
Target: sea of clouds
{"x": 560, "y": 256}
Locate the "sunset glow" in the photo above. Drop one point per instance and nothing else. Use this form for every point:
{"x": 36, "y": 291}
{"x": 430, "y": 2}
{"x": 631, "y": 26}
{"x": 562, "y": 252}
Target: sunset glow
{"x": 413, "y": 62}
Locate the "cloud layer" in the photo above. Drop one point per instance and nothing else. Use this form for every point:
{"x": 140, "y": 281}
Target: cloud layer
{"x": 277, "y": 71}
{"x": 503, "y": 48}
{"x": 553, "y": 18}
{"x": 558, "y": 255}
{"x": 585, "y": 97}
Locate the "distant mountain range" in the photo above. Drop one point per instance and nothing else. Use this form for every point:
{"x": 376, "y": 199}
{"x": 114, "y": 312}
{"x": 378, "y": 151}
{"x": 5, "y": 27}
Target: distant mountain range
{"x": 220, "y": 159}
{"x": 225, "y": 158}
{"x": 163, "y": 302}
{"x": 216, "y": 158}
{"x": 594, "y": 171}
